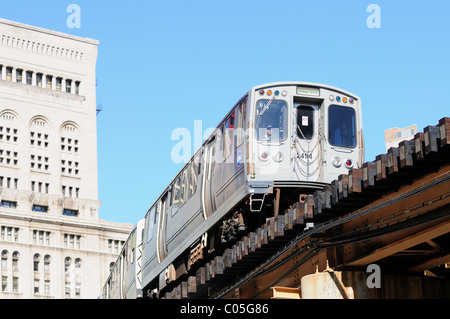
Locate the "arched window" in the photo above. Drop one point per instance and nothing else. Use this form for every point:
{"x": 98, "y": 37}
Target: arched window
{"x": 78, "y": 266}
{"x": 36, "y": 261}
{"x": 67, "y": 263}
{"x": 47, "y": 260}
{"x": 70, "y": 161}
{"x": 9, "y": 147}
{"x": 15, "y": 260}
{"x": 5, "y": 259}
{"x": 40, "y": 146}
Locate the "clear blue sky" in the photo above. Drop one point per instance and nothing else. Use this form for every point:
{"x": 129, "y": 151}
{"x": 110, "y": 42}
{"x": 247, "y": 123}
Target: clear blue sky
{"x": 164, "y": 64}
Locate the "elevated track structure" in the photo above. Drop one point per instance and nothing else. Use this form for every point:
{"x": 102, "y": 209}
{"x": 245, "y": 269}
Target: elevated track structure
{"x": 393, "y": 213}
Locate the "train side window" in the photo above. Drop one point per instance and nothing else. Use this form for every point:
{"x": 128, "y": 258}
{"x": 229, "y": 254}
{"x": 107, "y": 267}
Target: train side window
{"x": 228, "y": 136}
{"x": 176, "y": 195}
{"x": 150, "y": 223}
{"x": 305, "y": 122}
{"x": 192, "y": 179}
{"x": 184, "y": 187}
{"x": 341, "y": 126}
{"x": 240, "y": 127}
{"x": 197, "y": 163}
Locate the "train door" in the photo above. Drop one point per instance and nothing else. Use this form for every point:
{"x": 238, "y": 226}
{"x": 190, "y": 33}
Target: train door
{"x": 307, "y": 141}
{"x": 208, "y": 198}
{"x": 162, "y": 208}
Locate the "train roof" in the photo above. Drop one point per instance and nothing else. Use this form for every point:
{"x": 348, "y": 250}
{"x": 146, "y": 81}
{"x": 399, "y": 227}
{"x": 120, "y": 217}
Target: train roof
{"x": 308, "y": 84}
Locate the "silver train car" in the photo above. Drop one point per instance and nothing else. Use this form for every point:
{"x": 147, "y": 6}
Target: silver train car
{"x": 292, "y": 137}
{"x": 124, "y": 280}
{"x": 286, "y": 138}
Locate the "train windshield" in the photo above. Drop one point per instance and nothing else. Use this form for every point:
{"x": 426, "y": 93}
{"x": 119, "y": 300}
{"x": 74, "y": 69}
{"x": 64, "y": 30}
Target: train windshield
{"x": 271, "y": 120}
{"x": 342, "y": 129}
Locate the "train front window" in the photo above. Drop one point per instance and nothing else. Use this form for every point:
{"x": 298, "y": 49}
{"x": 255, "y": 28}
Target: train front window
{"x": 271, "y": 120}
{"x": 342, "y": 127}
{"x": 305, "y": 122}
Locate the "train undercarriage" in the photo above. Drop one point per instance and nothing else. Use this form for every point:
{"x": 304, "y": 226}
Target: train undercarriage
{"x": 245, "y": 218}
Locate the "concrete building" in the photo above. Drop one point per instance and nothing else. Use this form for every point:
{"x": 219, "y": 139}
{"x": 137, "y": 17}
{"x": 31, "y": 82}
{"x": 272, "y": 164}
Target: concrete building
{"x": 394, "y": 136}
{"x": 52, "y": 243}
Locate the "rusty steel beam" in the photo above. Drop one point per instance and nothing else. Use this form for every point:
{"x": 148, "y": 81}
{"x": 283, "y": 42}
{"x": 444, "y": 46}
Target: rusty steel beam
{"x": 402, "y": 244}
{"x": 288, "y": 268}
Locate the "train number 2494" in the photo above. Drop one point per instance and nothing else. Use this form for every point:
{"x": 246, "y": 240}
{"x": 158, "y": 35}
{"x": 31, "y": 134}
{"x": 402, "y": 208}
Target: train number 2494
{"x": 306, "y": 155}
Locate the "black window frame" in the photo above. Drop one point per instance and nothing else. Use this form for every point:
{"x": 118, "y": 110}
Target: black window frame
{"x": 332, "y": 118}
{"x": 309, "y": 133}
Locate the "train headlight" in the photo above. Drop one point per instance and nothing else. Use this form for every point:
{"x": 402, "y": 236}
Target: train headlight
{"x": 264, "y": 156}
{"x": 349, "y": 163}
{"x": 336, "y": 161}
{"x": 278, "y": 157}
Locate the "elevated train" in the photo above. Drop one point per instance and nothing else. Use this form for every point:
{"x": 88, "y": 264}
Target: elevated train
{"x": 286, "y": 137}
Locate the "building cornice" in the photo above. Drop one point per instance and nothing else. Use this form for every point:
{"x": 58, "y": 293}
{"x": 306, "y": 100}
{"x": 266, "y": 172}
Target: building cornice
{"x": 49, "y": 32}
{"x": 118, "y": 228}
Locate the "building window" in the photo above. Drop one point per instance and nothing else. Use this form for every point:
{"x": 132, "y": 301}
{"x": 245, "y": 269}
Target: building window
{"x": 8, "y": 204}
{"x": 39, "y": 139}
{"x": 77, "y": 290}
{"x": 15, "y": 260}
{"x": 39, "y": 79}
{"x": 67, "y": 263}
{"x": 5, "y": 259}
{"x": 41, "y": 237}
{"x": 47, "y": 260}
{"x": 9, "y": 157}
{"x": 72, "y": 241}
{"x": 68, "y": 86}
{"x": 4, "y": 283}
{"x": 19, "y": 75}
{"x": 70, "y": 167}
{"x": 47, "y": 287}
{"x": 15, "y": 284}
{"x": 77, "y": 87}
{"x": 67, "y": 290}
{"x": 58, "y": 84}
{"x": 70, "y": 212}
{"x": 29, "y": 77}
{"x": 39, "y": 208}
{"x": 9, "y": 234}
{"x": 8, "y": 133}
{"x": 36, "y": 286}
{"x": 48, "y": 82}
{"x": 9, "y": 74}
{"x": 36, "y": 260}
{"x": 69, "y": 145}
{"x": 40, "y": 188}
